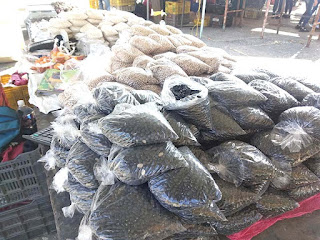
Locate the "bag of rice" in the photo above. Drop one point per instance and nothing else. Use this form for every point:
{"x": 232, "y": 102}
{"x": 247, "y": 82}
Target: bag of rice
{"x": 173, "y": 30}
{"x": 164, "y": 68}
{"x": 117, "y": 19}
{"x": 191, "y": 65}
{"x": 165, "y": 44}
{"x": 112, "y": 39}
{"x": 87, "y": 27}
{"x": 108, "y": 31}
{"x": 94, "y": 14}
{"x": 76, "y": 15}
{"x": 121, "y": 26}
{"x": 78, "y": 22}
{"x": 117, "y": 65}
{"x": 175, "y": 41}
{"x": 187, "y": 49}
{"x": 92, "y": 83}
{"x": 145, "y": 44}
{"x": 139, "y": 30}
{"x": 126, "y": 52}
{"x": 148, "y": 23}
{"x": 75, "y": 29}
{"x": 59, "y": 23}
{"x": 142, "y": 61}
{"x": 196, "y": 42}
{"x": 94, "y": 21}
{"x": 167, "y": 55}
{"x": 135, "y": 77}
{"x": 94, "y": 33}
{"x": 182, "y": 39}
{"x": 162, "y": 30}
{"x": 212, "y": 60}
{"x": 105, "y": 23}
{"x": 152, "y": 87}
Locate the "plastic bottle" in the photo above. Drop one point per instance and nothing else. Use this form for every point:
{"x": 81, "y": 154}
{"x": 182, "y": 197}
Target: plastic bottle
{"x": 27, "y": 119}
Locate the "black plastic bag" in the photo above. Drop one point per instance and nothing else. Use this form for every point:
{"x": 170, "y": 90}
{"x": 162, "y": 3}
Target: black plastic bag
{"x": 60, "y": 152}
{"x": 132, "y": 213}
{"x": 145, "y": 96}
{"x": 269, "y": 72}
{"x": 312, "y": 99}
{"x": 274, "y": 203}
{"x": 79, "y": 195}
{"x": 80, "y": 162}
{"x": 109, "y": 94}
{"x": 234, "y": 198}
{"x": 136, "y": 165}
{"x": 293, "y": 87}
{"x": 189, "y": 99}
{"x": 93, "y": 137}
{"x": 278, "y": 99}
{"x": 230, "y": 93}
{"x": 188, "y": 192}
{"x": 237, "y": 222}
{"x": 251, "y": 118}
{"x": 201, "y": 155}
{"x": 225, "y": 77}
{"x": 137, "y": 125}
{"x": 239, "y": 162}
{"x": 314, "y": 165}
{"x": 182, "y": 129}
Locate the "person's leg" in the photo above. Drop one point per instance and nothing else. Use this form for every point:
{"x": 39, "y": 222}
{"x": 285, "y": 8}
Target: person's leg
{"x": 280, "y": 6}
{"x": 304, "y": 14}
{"x": 290, "y": 6}
{"x": 107, "y": 3}
{"x": 275, "y": 6}
{"x": 308, "y": 13}
{"x": 101, "y": 4}
{"x": 287, "y": 7}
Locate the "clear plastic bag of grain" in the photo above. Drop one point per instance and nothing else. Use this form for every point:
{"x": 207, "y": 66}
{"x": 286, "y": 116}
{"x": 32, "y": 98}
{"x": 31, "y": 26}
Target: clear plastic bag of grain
{"x": 196, "y": 42}
{"x": 176, "y": 42}
{"x": 164, "y": 68}
{"x": 212, "y": 60}
{"x": 113, "y": 215}
{"x": 116, "y": 64}
{"x": 135, "y": 77}
{"x": 126, "y": 52}
{"x": 142, "y": 61}
{"x": 187, "y": 49}
{"x": 160, "y": 29}
{"x": 167, "y": 55}
{"x": 145, "y": 44}
{"x": 152, "y": 87}
{"x": 191, "y": 65}
{"x": 136, "y": 126}
{"x": 166, "y": 45}
{"x": 140, "y": 30}
{"x": 92, "y": 83}
{"x": 173, "y": 30}
{"x": 189, "y": 99}
{"x": 108, "y": 95}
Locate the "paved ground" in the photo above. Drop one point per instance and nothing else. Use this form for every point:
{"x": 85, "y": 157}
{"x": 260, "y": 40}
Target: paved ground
{"x": 246, "y": 41}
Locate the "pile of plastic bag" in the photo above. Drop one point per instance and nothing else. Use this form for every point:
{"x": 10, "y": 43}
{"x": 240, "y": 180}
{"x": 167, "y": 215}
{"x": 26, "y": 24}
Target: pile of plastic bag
{"x": 208, "y": 155}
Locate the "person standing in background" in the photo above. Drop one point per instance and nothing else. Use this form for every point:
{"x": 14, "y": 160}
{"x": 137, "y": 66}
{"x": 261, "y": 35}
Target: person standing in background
{"x": 106, "y": 3}
{"x": 277, "y": 7}
{"x": 288, "y": 9}
{"x": 307, "y": 15}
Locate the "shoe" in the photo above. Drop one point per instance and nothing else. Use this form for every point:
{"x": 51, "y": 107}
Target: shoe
{"x": 303, "y": 29}
{"x": 298, "y": 26}
{"x": 286, "y": 15}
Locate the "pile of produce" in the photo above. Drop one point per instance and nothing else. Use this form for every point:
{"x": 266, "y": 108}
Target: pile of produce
{"x": 204, "y": 153}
